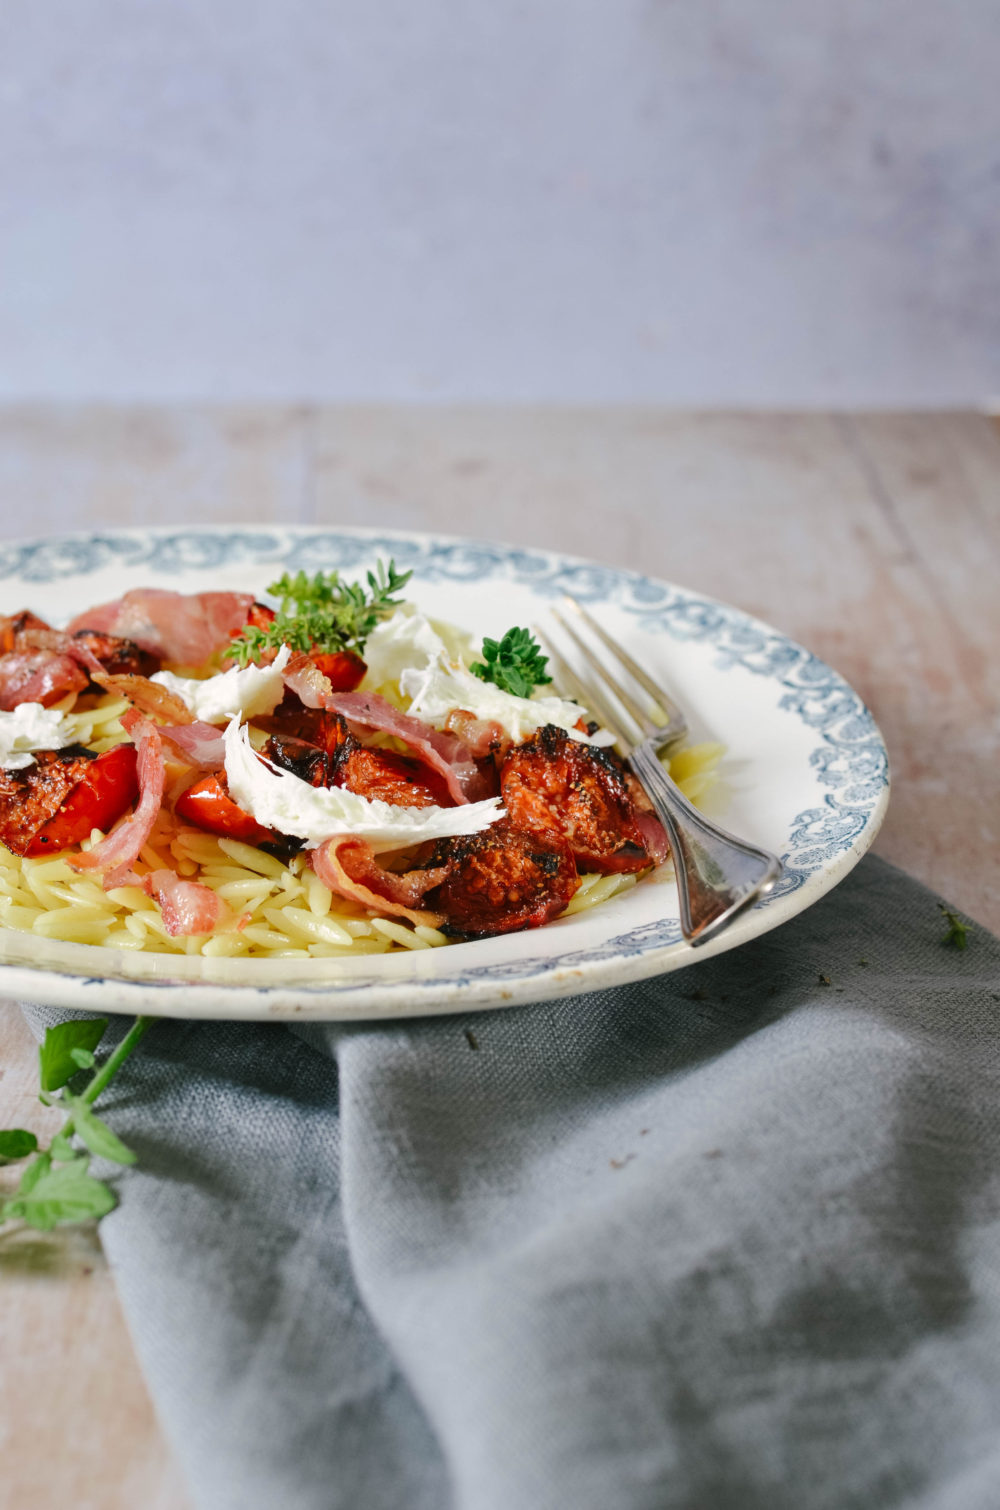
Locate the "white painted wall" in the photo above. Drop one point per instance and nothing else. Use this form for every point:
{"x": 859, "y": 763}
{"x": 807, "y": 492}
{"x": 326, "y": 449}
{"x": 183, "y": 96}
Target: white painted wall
{"x": 691, "y": 201}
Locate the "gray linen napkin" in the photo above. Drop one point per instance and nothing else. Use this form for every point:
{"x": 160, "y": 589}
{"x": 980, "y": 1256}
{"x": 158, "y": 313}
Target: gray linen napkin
{"x": 729, "y": 1238}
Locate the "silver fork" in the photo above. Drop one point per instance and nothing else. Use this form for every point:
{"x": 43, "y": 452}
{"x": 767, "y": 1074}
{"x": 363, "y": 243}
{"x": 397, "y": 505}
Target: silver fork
{"x": 718, "y": 875}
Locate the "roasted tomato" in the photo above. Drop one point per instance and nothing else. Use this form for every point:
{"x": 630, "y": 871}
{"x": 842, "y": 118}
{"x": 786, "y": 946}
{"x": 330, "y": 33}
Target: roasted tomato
{"x": 118, "y": 656}
{"x": 386, "y": 777}
{"x": 314, "y": 726}
{"x": 25, "y": 631}
{"x": 501, "y": 880}
{"x": 555, "y": 784}
{"x": 259, "y": 616}
{"x": 54, "y": 803}
{"x": 343, "y": 670}
{"x": 208, "y": 805}
{"x": 14, "y": 625}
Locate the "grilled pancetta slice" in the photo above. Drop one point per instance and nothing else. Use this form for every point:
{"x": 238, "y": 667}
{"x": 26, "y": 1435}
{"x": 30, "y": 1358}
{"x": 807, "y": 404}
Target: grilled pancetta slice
{"x": 348, "y": 867}
{"x": 38, "y": 676}
{"x": 115, "y": 853}
{"x": 187, "y": 906}
{"x": 183, "y": 628}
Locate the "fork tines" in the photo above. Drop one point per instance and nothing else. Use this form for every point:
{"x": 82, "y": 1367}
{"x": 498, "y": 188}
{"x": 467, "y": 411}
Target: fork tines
{"x": 619, "y": 691}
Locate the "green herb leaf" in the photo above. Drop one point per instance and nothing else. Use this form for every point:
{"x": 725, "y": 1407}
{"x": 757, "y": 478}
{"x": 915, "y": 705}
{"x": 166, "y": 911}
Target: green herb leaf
{"x": 34, "y": 1172}
{"x": 61, "y": 1149}
{"x": 66, "y": 1194}
{"x": 514, "y": 664}
{"x": 97, "y": 1135}
{"x": 16, "y": 1143}
{"x": 324, "y": 614}
{"x": 958, "y": 932}
{"x": 56, "y": 1064}
{"x": 56, "y": 1186}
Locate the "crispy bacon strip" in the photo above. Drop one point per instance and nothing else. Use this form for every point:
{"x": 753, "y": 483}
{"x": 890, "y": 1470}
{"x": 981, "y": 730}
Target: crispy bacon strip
{"x": 115, "y": 853}
{"x": 348, "y": 867}
{"x": 199, "y": 743}
{"x": 654, "y": 835}
{"x": 148, "y": 696}
{"x": 187, "y": 906}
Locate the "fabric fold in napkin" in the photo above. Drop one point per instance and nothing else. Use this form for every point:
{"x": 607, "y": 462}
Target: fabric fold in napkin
{"x": 726, "y": 1239}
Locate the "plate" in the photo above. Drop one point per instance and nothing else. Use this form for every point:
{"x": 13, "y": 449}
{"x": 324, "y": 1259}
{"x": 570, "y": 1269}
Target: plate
{"x": 805, "y": 773}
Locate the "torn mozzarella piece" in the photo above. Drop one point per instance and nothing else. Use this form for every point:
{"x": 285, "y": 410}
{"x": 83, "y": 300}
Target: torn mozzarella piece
{"x": 408, "y": 650}
{"x": 278, "y": 799}
{"x": 404, "y": 642}
{"x": 249, "y": 693}
{"x": 28, "y": 727}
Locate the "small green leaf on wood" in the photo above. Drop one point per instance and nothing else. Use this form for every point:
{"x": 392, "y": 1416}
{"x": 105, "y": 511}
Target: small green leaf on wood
{"x": 16, "y": 1143}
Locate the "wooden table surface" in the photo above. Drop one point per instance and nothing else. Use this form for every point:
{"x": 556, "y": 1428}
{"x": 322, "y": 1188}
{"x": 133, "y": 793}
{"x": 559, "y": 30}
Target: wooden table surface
{"x": 875, "y": 540}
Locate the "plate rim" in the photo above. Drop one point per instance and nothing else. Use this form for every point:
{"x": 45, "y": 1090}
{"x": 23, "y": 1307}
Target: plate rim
{"x": 325, "y": 1000}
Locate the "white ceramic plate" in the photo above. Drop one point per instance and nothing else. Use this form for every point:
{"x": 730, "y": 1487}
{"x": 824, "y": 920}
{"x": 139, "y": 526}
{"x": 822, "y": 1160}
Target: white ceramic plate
{"x": 806, "y": 773}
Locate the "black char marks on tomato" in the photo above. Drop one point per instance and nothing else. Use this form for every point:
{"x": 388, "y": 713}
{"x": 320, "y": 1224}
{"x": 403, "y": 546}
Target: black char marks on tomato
{"x": 309, "y": 762}
{"x": 556, "y": 784}
{"x": 29, "y": 797}
{"x": 312, "y": 726}
{"x": 501, "y": 880}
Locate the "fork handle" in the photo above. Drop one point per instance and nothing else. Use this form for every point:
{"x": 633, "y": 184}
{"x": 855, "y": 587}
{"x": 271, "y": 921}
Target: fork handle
{"x": 718, "y": 875}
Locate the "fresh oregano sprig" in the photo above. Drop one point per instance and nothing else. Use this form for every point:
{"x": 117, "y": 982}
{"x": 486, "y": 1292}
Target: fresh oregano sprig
{"x": 514, "y": 664}
{"x": 56, "y": 1186}
{"x": 323, "y": 613}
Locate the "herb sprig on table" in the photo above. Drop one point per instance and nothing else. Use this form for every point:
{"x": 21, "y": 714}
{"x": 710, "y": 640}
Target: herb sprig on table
{"x": 514, "y": 664}
{"x": 957, "y": 934}
{"x": 322, "y": 613}
{"x": 56, "y": 1186}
